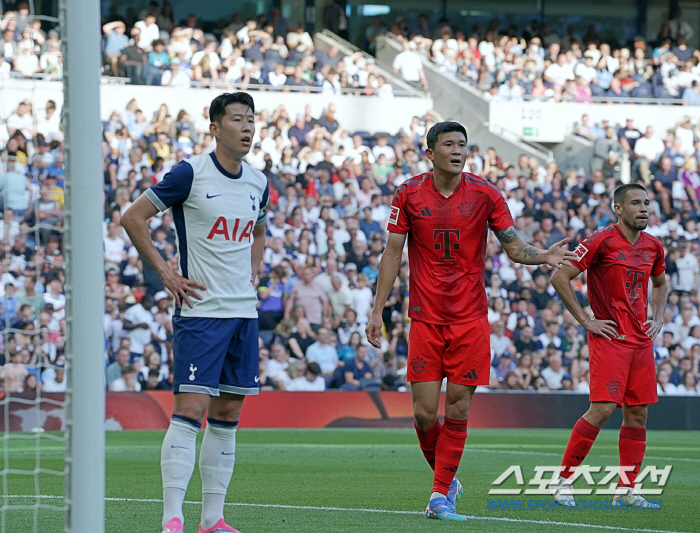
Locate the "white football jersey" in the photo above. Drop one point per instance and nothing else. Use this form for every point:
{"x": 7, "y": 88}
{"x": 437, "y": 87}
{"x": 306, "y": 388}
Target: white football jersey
{"x": 215, "y": 213}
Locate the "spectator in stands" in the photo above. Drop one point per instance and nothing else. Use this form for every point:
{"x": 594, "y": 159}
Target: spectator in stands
{"x": 308, "y": 294}
{"x": 410, "y": 66}
{"x": 606, "y": 151}
{"x": 647, "y": 152}
{"x": 664, "y": 177}
{"x": 357, "y": 374}
{"x": 175, "y": 76}
{"x": 311, "y": 381}
{"x": 323, "y": 353}
{"x": 116, "y": 41}
{"x": 679, "y": 28}
{"x": 149, "y": 32}
{"x": 127, "y": 382}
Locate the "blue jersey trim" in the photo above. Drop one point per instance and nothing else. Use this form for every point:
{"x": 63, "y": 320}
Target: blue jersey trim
{"x": 174, "y": 188}
{"x": 187, "y": 420}
{"x": 223, "y": 423}
{"x": 179, "y": 219}
{"x": 224, "y": 171}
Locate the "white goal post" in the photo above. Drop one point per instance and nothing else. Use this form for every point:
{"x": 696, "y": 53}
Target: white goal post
{"x": 85, "y": 399}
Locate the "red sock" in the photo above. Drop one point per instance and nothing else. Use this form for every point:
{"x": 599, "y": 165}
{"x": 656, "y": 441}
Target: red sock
{"x": 580, "y": 442}
{"x": 427, "y": 440}
{"x": 450, "y": 446}
{"x": 633, "y": 443}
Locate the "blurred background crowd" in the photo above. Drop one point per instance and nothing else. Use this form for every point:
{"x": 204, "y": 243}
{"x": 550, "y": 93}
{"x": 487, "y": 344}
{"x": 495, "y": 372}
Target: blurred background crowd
{"x": 330, "y": 192}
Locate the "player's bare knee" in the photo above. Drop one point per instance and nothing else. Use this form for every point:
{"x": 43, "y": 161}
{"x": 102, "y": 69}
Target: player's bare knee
{"x": 226, "y": 407}
{"x": 425, "y": 418}
{"x": 191, "y": 405}
{"x": 635, "y": 415}
{"x": 457, "y": 410}
{"x": 599, "y": 413}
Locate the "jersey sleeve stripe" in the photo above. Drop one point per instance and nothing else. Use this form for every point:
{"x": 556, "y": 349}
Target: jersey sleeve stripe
{"x": 153, "y": 197}
{"x": 481, "y": 182}
{"x": 181, "y": 232}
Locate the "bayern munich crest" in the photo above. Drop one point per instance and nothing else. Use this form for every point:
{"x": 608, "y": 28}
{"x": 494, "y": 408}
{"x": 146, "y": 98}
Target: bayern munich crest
{"x": 466, "y": 208}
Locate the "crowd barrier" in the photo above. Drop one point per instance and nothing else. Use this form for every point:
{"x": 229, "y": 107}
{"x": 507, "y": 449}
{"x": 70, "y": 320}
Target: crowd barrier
{"x": 500, "y": 409}
{"x": 356, "y": 113}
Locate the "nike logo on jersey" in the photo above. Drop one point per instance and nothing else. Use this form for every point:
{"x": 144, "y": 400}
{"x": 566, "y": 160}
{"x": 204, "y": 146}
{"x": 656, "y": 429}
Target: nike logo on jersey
{"x": 224, "y": 453}
{"x": 622, "y": 256}
{"x": 425, "y": 213}
{"x": 209, "y": 196}
{"x": 257, "y": 379}
{"x": 181, "y": 447}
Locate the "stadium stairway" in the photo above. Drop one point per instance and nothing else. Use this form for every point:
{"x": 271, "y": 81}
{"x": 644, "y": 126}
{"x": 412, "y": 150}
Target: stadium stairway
{"x": 325, "y": 39}
{"x": 455, "y": 99}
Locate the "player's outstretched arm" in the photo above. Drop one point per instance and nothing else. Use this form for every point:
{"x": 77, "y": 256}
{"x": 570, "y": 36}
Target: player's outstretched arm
{"x": 561, "y": 281}
{"x": 135, "y": 222}
{"x": 557, "y": 256}
{"x": 659, "y": 296}
{"x": 388, "y": 270}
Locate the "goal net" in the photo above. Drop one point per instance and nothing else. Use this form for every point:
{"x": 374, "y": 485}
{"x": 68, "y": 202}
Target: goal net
{"x": 33, "y": 304}
{"x": 51, "y": 281}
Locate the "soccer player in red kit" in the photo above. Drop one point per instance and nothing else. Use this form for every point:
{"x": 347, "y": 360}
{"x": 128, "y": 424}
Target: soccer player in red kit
{"x": 620, "y": 260}
{"x": 446, "y": 214}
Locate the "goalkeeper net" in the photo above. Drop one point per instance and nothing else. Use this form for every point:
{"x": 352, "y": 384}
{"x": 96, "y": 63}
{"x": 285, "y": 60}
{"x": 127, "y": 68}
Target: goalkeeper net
{"x": 32, "y": 305}
{"x": 52, "y": 282}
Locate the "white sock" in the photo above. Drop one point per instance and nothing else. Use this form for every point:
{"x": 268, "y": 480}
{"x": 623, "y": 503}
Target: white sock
{"x": 216, "y": 462}
{"x": 437, "y": 495}
{"x": 177, "y": 457}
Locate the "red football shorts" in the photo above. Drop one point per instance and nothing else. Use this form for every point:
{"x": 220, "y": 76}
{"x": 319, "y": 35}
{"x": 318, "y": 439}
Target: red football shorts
{"x": 621, "y": 373}
{"x": 459, "y": 352}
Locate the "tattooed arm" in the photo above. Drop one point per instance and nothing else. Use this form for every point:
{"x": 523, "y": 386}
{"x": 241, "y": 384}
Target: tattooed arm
{"x": 557, "y": 256}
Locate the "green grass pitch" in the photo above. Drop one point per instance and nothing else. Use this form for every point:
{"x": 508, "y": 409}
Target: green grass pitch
{"x": 331, "y": 480}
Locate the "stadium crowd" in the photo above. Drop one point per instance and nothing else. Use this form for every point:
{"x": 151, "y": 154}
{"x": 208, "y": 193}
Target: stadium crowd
{"x": 27, "y": 50}
{"x": 266, "y": 51}
{"x": 537, "y": 62}
{"x": 330, "y": 193}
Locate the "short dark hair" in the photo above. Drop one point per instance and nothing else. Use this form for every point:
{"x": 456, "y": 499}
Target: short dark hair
{"x": 314, "y": 368}
{"x": 217, "y": 109}
{"x": 443, "y": 127}
{"x": 621, "y": 192}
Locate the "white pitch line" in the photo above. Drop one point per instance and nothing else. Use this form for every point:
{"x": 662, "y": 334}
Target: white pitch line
{"x": 117, "y": 449}
{"x": 382, "y": 511}
{"x": 552, "y": 454}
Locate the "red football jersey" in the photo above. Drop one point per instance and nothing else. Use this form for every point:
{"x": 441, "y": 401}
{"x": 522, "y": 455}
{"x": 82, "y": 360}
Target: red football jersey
{"x": 618, "y": 278}
{"x": 447, "y": 245}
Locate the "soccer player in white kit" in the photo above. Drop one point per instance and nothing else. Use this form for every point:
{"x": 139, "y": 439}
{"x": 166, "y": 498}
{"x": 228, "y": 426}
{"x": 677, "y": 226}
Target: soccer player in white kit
{"x": 218, "y": 203}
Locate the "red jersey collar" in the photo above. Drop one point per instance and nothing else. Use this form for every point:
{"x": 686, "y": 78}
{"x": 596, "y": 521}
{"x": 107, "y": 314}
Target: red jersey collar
{"x": 432, "y": 184}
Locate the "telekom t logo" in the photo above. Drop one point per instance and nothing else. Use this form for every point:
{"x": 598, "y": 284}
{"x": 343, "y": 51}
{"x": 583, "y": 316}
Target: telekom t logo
{"x": 445, "y": 241}
{"x": 634, "y": 286}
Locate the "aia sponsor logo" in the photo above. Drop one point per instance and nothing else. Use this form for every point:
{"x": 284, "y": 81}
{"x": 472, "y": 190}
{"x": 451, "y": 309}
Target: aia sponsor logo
{"x": 221, "y": 227}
